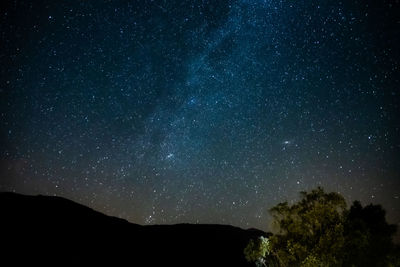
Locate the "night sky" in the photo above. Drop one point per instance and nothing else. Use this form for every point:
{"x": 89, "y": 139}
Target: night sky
{"x": 165, "y": 112}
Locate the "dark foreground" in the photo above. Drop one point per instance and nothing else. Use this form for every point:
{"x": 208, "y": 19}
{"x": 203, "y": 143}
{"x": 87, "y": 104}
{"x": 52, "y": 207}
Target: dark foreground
{"x": 53, "y": 231}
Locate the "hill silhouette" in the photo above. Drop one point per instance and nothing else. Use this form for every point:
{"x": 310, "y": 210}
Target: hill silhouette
{"x": 52, "y": 230}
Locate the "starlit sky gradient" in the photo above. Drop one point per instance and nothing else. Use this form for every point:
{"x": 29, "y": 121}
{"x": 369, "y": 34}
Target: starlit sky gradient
{"x": 164, "y": 112}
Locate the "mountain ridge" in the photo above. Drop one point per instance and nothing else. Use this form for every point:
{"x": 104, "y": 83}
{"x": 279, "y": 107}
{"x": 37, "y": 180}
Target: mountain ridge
{"x": 54, "y": 229}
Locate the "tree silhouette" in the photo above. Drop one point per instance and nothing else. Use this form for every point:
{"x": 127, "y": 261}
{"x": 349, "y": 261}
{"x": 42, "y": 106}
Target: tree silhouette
{"x": 368, "y": 236}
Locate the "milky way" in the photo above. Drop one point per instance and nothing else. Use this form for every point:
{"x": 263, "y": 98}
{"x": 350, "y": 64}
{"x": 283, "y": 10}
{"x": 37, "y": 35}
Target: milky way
{"x": 200, "y": 111}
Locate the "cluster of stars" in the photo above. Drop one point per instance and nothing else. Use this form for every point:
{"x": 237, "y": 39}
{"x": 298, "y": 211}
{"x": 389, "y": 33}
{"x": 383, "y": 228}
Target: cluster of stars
{"x": 202, "y": 112}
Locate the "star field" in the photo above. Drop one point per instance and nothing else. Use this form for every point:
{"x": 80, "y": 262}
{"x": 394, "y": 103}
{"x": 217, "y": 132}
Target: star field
{"x": 200, "y": 111}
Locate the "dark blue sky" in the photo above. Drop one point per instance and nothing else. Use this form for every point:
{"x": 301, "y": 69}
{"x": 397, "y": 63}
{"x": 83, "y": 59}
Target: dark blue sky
{"x": 200, "y": 111}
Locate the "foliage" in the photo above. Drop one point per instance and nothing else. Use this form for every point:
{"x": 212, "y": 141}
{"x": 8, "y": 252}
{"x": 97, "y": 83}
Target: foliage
{"x": 318, "y": 230}
{"x": 256, "y": 250}
{"x": 311, "y": 261}
{"x": 368, "y": 236}
{"x": 394, "y": 257}
{"x": 313, "y": 226}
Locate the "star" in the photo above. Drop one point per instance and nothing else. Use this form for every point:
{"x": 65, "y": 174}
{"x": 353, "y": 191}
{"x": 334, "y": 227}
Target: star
{"x": 169, "y": 156}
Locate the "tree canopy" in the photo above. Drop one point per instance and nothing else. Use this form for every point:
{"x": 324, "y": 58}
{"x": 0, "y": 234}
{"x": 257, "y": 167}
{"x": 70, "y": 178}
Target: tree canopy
{"x": 319, "y": 230}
